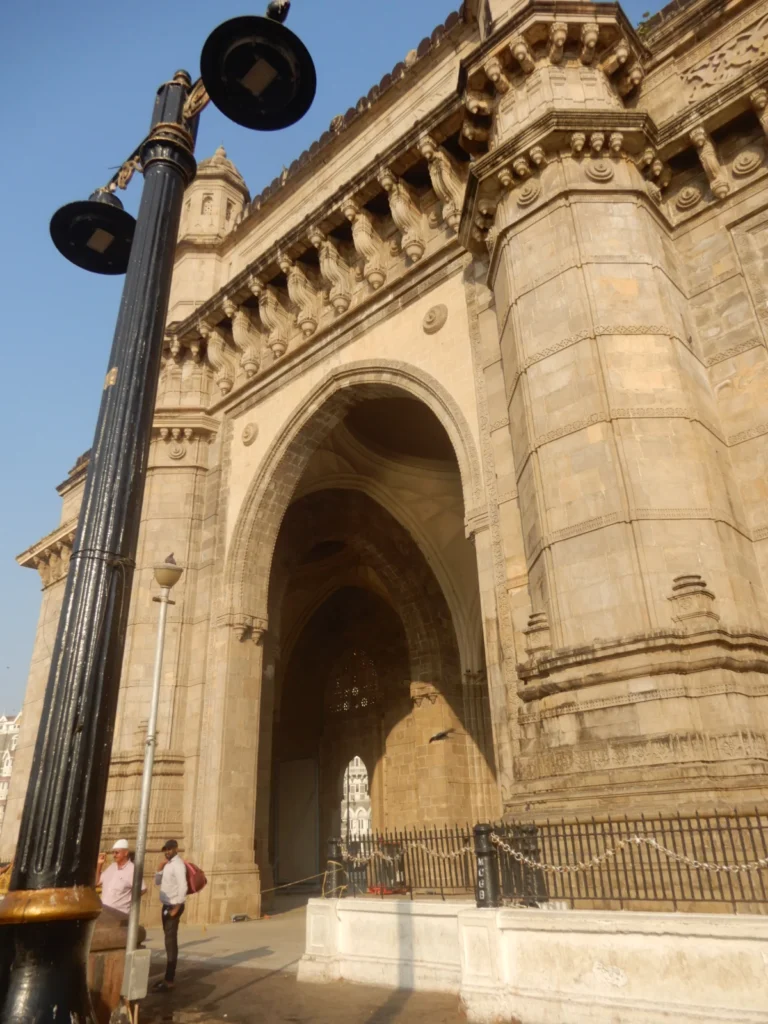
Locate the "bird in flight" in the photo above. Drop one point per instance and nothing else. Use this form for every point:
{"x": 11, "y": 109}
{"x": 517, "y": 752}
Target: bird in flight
{"x": 441, "y": 735}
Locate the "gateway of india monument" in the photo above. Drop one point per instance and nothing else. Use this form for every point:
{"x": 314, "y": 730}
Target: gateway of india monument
{"x": 462, "y": 428}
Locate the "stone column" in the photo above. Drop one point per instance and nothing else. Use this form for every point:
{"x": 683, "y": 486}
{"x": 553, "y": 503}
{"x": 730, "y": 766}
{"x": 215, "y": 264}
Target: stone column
{"x": 625, "y": 484}
{"x": 225, "y": 814}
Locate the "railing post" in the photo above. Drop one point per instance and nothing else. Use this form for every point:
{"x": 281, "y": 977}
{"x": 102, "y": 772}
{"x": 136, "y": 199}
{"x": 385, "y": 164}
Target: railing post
{"x": 487, "y": 890}
{"x": 334, "y": 885}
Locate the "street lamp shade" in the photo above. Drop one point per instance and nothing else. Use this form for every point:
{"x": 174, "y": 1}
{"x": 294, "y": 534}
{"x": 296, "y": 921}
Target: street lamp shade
{"x": 258, "y": 73}
{"x": 95, "y": 234}
{"x": 167, "y": 574}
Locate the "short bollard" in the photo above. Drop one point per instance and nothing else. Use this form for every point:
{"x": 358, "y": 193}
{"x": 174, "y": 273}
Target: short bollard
{"x": 487, "y": 890}
{"x": 334, "y": 887}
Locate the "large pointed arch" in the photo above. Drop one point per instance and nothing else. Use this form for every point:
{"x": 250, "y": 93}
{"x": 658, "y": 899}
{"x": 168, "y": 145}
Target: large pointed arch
{"x": 249, "y": 561}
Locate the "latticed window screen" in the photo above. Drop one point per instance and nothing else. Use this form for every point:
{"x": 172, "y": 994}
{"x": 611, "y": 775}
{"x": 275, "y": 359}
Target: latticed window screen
{"x": 353, "y": 684}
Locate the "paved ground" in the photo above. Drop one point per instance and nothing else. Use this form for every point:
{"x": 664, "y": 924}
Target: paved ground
{"x": 246, "y": 974}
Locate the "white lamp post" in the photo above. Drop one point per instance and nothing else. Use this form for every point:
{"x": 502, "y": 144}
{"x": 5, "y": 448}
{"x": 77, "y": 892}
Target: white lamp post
{"x": 167, "y": 575}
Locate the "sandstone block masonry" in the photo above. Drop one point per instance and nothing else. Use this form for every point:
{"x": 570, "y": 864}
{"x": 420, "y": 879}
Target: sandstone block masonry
{"x": 462, "y": 429}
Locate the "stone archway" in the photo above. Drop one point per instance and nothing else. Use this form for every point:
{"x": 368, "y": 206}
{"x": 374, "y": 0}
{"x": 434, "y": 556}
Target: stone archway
{"x": 244, "y": 655}
{"x": 424, "y": 695}
{"x": 248, "y": 564}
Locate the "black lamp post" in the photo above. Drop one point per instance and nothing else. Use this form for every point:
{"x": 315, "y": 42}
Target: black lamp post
{"x": 260, "y": 74}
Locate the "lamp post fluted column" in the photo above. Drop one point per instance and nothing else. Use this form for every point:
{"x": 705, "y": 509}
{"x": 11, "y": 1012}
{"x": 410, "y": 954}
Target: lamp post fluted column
{"x": 51, "y": 904}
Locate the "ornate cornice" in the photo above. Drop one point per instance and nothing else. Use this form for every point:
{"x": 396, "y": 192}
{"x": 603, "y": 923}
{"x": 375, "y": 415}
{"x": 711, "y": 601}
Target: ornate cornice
{"x": 50, "y": 556}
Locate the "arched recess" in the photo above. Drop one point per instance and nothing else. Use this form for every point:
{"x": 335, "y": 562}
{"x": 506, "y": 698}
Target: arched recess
{"x": 249, "y": 561}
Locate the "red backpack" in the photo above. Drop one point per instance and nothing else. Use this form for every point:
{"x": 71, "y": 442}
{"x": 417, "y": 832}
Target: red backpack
{"x": 196, "y": 880}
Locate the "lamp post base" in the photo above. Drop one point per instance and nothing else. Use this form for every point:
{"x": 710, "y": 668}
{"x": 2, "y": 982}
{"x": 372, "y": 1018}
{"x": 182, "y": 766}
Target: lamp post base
{"x": 48, "y": 983}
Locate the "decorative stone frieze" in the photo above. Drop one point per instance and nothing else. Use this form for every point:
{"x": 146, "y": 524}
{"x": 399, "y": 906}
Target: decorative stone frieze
{"x": 302, "y": 294}
{"x": 334, "y": 270}
{"x": 405, "y": 213}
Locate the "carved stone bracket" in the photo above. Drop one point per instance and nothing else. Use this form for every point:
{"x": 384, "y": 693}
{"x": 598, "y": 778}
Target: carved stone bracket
{"x": 759, "y": 101}
{"x": 405, "y": 213}
{"x": 273, "y": 316}
{"x": 710, "y": 162}
{"x": 368, "y": 243}
{"x": 51, "y": 556}
{"x": 589, "y": 34}
{"x": 247, "y": 337}
{"x": 537, "y": 634}
{"x": 219, "y": 356}
{"x": 446, "y": 180}
{"x": 334, "y": 270}
{"x": 421, "y": 692}
{"x": 693, "y": 604}
{"x": 521, "y": 53}
{"x": 176, "y": 440}
{"x": 558, "y": 33}
{"x": 302, "y": 294}
{"x": 246, "y": 627}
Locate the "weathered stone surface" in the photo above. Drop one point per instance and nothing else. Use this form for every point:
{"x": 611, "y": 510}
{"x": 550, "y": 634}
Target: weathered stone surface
{"x": 546, "y": 505}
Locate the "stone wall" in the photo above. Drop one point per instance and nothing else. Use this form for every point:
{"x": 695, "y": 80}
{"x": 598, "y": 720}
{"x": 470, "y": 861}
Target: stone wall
{"x": 547, "y": 966}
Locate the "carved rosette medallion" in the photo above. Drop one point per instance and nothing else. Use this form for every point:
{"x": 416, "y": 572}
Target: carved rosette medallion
{"x": 747, "y": 162}
{"x": 599, "y": 171}
{"x": 529, "y": 192}
{"x": 688, "y": 197}
{"x": 250, "y": 433}
{"x": 435, "y": 319}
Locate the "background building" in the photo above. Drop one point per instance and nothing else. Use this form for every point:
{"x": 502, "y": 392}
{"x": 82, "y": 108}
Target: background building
{"x": 9, "y": 739}
{"x": 355, "y": 802}
{"x": 461, "y": 430}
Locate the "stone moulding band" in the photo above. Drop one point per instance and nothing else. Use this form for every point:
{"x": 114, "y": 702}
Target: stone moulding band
{"x": 36, "y": 906}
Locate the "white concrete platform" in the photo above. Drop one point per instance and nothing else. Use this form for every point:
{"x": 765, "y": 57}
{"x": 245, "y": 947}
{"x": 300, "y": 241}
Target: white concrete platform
{"x": 549, "y": 967}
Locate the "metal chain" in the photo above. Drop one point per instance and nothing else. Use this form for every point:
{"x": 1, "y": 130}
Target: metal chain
{"x": 599, "y": 859}
{"x": 358, "y": 860}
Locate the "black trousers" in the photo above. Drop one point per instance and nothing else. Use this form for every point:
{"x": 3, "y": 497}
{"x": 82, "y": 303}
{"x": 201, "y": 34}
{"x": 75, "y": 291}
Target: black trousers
{"x": 171, "y": 932}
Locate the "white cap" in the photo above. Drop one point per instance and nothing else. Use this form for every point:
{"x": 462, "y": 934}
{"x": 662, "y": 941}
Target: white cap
{"x": 121, "y": 844}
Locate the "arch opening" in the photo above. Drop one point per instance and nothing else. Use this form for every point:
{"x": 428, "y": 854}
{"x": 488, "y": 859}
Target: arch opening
{"x": 372, "y": 604}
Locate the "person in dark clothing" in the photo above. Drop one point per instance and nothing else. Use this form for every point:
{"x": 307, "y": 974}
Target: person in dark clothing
{"x": 172, "y": 878}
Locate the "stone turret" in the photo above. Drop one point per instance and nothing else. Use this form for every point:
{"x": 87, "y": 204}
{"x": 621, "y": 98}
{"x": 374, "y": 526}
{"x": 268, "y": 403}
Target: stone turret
{"x": 214, "y": 202}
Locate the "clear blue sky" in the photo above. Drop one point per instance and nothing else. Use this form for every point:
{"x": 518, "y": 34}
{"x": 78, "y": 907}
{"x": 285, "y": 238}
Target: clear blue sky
{"x": 78, "y": 80}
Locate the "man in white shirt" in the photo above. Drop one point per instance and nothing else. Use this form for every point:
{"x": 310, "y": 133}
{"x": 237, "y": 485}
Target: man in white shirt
{"x": 172, "y": 878}
{"x": 116, "y": 880}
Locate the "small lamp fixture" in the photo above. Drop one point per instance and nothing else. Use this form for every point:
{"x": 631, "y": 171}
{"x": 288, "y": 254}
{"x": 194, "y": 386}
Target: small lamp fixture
{"x": 95, "y": 234}
{"x": 257, "y": 72}
{"x": 168, "y": 573}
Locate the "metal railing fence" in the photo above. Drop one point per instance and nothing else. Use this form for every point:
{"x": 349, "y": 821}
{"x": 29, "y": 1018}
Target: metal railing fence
{"x": 694, "y": 863}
